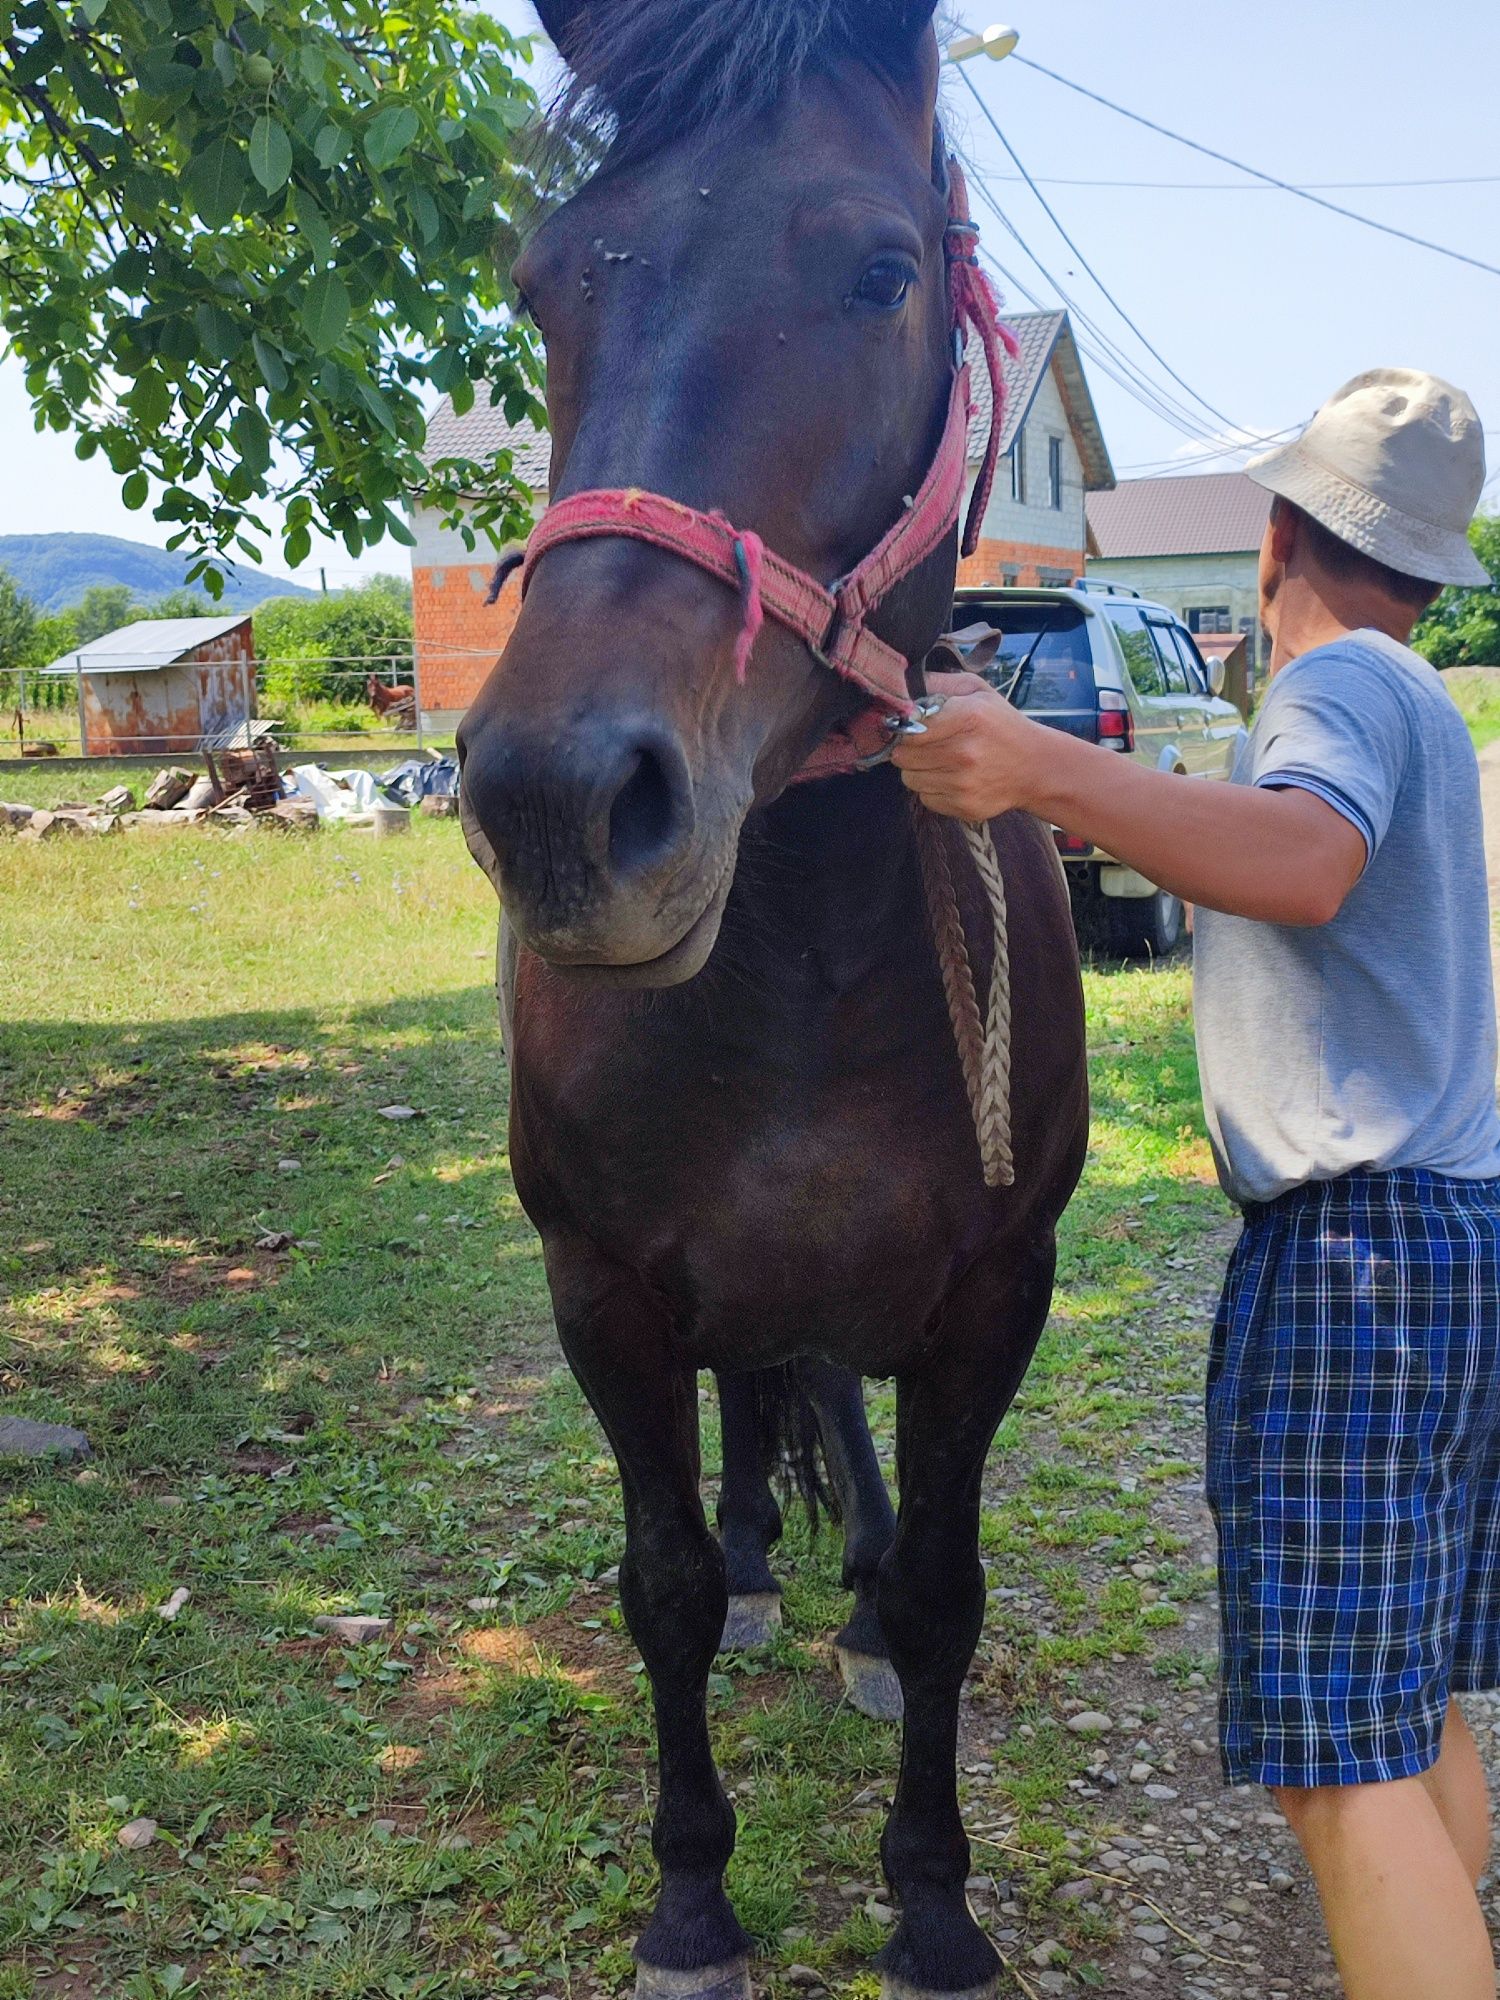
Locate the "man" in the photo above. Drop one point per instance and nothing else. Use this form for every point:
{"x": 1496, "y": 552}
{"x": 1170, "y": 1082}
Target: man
{"x": 1346, "y": 1034}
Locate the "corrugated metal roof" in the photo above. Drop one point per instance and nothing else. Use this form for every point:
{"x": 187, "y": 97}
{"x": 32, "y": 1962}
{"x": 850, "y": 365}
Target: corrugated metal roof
{"x": 484, "y": 429}
{"x": 146, "y": 647}
{"x": 1187, "y": 514}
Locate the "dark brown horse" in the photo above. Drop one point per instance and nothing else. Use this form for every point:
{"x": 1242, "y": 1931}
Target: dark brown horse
{"x": 738, "y": 1121}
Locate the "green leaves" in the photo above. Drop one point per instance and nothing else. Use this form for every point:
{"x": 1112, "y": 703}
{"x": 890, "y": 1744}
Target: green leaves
{"x": 390, "y": 133}
{"x": 216, "y": 181}
{"x": 284, "y": 242}
{"x": 325, "y": 312}
{"x": 270, "y": 154}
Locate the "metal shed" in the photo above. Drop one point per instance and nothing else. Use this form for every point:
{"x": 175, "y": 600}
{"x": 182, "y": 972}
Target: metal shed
{"x": 162, "y": 686}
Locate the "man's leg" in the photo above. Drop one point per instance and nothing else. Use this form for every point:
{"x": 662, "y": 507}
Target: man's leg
{"x": 1398, "y": 1897}
{"x": 1461, "y": 1794}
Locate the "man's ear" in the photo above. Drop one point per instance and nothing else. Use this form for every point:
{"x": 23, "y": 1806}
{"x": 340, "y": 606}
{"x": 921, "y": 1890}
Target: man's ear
{"x": 1283, "y": 530}
{"x": 563, "y": 22}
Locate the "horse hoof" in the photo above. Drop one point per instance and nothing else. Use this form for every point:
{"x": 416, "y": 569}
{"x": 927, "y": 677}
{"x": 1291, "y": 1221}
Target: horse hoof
{"x": 871, "y": 1685}
{"x": 753, "y": 1622}
{"x": 902, "y": 1989}
{"x": 711, "y": 1982}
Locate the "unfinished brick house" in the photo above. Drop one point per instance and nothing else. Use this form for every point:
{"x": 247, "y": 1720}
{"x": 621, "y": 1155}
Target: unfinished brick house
{"x": 1035, "y": 528}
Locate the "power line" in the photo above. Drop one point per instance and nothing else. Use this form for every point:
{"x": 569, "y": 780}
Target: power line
{"x": 1105, "y": 351}
{"x": 1271, "y": 180}
{"x": 1051, "y": 214}
{"x": 1112, "y": 358}
{"x": 1240, "y": 187}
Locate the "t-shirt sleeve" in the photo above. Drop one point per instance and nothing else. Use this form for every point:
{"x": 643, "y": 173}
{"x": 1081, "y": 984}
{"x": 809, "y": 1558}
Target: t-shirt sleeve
{"x": 1336, "y": 726}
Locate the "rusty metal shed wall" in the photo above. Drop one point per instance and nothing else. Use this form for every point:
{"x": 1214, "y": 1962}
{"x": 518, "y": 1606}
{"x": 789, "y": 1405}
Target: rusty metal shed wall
{"x": 164, "y": 710}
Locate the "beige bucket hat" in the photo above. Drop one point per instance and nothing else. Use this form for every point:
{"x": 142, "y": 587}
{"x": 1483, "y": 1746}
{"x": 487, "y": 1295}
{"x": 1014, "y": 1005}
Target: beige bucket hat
{"x": 1394, "y": 466}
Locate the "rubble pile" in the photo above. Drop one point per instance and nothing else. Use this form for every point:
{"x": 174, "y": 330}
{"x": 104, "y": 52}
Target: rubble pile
{"x": 247, "y": 788}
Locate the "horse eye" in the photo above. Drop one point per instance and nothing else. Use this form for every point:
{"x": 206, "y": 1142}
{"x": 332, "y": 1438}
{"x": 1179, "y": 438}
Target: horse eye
{"x": 886, "y": 283}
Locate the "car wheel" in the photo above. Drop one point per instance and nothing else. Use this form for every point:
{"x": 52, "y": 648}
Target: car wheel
{"x": 1145, "y": 926}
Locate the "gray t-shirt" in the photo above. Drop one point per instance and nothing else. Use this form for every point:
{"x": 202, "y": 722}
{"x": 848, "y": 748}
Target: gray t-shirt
{"x": 1368, "y": 1042}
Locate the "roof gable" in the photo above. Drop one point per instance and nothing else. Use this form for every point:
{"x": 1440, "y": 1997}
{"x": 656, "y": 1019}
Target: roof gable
{"x": 1184, "y": 514}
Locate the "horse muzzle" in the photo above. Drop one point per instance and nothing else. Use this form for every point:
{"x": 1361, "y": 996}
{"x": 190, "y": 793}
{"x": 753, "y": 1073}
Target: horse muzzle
{"x": 595, "y": 840}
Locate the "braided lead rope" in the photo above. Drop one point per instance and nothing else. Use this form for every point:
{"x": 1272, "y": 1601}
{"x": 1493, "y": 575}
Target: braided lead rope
{"x": 992, "y": 1111}
{"x": 983, "y": 1043}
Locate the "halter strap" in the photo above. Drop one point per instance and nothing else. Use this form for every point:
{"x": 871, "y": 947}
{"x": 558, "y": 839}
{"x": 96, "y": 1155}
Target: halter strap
{"x": 831, "y": 620}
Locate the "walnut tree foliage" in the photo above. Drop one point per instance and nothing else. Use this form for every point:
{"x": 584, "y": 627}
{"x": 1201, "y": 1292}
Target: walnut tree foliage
{"x": 238, "y": 238}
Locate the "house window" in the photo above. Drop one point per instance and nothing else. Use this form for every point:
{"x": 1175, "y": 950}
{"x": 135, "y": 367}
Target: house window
{"x": 1054, "y": 579}
{"x": 1018, "y": 470}
{"x": 1209, "y": 618}
{"x": 1055, "y": 474}
{"x": 1011, "y": 578}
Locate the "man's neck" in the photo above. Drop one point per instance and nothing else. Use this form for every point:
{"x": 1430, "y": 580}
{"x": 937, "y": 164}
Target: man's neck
{"x": 1309, "y": 614}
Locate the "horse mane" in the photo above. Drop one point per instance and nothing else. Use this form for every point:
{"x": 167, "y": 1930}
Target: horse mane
{"x": 645, "y": 72}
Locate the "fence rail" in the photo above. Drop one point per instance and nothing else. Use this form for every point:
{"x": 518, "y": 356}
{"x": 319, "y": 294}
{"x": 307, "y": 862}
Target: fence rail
{"x": 40, "y": 708}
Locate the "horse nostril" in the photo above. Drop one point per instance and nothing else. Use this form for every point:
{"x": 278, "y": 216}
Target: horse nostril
{"x": 645, "y": 817}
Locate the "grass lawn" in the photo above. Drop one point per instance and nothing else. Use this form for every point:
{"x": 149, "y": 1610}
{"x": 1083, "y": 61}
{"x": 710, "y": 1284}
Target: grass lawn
{"x": 1476, "y": 690}
{"x": 200, "y": 1033}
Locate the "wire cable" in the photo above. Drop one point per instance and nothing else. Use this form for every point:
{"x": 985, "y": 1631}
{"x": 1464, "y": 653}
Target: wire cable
{"x": 1241, "y": 187}
{"x": 1105, "y": 351}
{"x": 1052, "y": 216}
{"x": 1271, "y": 180}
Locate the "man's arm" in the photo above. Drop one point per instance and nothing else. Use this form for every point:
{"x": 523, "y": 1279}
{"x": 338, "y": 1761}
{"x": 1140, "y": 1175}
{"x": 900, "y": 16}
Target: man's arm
{"x": 1283, "y": 857}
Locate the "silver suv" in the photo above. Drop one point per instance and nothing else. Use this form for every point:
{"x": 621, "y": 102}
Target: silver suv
{"x": 1106, "y": 665}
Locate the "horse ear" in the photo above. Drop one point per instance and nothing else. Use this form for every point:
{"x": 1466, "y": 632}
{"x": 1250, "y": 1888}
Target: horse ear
{"x": 562, "y": 21}
{"x": 895, "y": 26}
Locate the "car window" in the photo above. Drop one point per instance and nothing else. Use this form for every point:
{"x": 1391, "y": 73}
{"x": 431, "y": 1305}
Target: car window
{"x": 1197, "y": 670}
{"x": 1140, "y": 655}
{"x": 1054, "y": 634}
{"x": 1171, "y": 660}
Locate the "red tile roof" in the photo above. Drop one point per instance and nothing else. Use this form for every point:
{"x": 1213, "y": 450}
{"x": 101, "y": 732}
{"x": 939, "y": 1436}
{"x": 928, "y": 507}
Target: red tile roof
{"x": 1189, "y": 514}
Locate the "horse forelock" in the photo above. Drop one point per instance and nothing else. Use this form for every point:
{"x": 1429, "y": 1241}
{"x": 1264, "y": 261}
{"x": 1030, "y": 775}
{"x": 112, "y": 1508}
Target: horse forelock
{"x": 643, "y": 73}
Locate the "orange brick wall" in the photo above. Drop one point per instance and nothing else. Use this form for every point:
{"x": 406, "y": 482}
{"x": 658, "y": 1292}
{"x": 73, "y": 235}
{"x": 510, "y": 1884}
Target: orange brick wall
{"x": 991, "y": 560}
{"x": 458, "y": 636}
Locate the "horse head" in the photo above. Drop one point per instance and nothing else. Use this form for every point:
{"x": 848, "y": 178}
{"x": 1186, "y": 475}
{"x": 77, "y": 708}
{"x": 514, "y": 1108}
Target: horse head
{"x": 745, "y": 309}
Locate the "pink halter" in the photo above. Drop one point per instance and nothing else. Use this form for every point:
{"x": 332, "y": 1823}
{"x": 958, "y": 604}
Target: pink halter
{"x": 832, "y": 621}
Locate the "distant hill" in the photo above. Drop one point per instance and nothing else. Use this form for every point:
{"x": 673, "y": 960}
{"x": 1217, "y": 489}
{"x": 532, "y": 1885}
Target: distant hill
{"x": 55, "y": 570}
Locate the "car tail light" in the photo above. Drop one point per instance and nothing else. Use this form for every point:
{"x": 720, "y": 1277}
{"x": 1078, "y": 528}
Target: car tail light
{"x": 1116, "y": 723}
{"x": 1072, "y": 844}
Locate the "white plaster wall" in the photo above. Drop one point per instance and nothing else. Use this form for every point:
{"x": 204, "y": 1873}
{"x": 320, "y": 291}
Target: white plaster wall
{"x": 1037, "y": 522}
{"x": 438, "y": 547}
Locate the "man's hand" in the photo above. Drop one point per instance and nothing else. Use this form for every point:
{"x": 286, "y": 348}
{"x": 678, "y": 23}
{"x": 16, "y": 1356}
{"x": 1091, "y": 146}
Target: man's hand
{"x": 979, "y": 757}
{"x": 1285, "y": 857}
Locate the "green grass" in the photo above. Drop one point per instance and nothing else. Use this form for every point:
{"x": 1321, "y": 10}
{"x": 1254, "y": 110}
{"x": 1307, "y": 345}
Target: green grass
{"x": 373, "y": 1419}
{"x": 1476, "y": 690}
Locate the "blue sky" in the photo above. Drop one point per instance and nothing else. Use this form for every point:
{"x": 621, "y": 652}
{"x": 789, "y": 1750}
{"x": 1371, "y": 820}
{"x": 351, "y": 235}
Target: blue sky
{"x": 1260, "y": 302}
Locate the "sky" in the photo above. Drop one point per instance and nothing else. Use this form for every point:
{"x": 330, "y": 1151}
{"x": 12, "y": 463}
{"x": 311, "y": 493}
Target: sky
{"x": 1261, "y": 303}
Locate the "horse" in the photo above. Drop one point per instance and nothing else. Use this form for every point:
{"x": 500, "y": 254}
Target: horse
{"x": 739, "y": 1122}
{"x": 393, "y": 704}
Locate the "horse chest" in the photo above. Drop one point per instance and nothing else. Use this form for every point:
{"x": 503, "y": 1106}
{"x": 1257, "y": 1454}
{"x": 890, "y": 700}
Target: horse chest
{"x": 793, "y": 1188}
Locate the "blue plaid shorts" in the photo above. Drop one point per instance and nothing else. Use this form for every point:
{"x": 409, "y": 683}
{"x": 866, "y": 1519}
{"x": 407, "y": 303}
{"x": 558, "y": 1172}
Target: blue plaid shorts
{"x": 1354, "y": 1474}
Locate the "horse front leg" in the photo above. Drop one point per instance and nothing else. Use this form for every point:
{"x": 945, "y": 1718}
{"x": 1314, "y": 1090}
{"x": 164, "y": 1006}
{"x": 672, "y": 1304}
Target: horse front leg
{"x": 619, "y": 1344}
{"x": 749, "y": 1519}
{"x": 932, "y": 1610}
{"x": 838, "y": 1399}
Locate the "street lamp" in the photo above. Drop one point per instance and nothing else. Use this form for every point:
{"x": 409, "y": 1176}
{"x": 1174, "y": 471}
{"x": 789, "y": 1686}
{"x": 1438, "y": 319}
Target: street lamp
{"x": 996, "y": 43}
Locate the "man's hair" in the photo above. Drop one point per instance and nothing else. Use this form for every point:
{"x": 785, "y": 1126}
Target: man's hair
{"x": 1351, "y": 565}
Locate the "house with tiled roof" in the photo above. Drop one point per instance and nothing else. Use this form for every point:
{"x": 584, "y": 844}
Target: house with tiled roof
{"x": 1190, "y": 541}
{"x": 1034, "y": 529}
